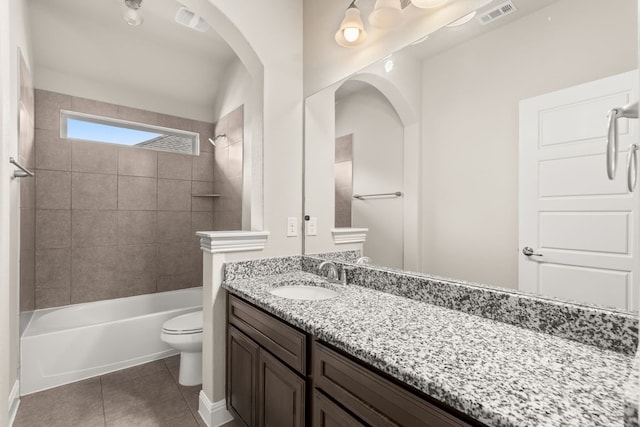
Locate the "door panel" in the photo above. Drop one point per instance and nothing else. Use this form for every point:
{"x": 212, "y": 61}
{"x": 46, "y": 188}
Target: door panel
{"x": 242, "y": 364}
{"x": 281, "y": 394}
{"x": 584, "y": 226}
{"x": 567, "y": 282}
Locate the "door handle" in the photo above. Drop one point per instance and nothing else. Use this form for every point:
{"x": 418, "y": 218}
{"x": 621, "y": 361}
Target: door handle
{"x": 527, "y": 251}
{"x": 632, "y": 167}
{"x": 629, "y": 111}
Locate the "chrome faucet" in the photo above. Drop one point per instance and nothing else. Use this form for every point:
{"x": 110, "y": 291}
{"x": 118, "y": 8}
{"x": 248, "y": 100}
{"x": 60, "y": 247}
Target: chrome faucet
{"x": 334, "y": 274}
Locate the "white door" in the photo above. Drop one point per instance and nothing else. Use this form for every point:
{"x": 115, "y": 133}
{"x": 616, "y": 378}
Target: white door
{"x": 582, "y": 227}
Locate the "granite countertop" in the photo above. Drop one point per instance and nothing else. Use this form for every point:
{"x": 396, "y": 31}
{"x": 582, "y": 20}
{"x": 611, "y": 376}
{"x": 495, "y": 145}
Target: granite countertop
{"x": 499, "y": 374}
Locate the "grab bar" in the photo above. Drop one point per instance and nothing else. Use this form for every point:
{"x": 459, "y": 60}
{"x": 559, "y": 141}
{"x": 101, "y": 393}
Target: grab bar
{"x": 23, "y": 172}
{"x": 629, "y": 111}
{"x": 364, "y": 196}
{"x": 632, "y": 167}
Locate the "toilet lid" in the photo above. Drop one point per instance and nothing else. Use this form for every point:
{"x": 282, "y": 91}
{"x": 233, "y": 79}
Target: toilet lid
{"x": 186, "y": 324}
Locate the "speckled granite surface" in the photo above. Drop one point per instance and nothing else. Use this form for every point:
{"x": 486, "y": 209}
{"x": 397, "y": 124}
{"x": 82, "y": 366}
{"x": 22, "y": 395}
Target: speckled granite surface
{"x": 608, "y": 329}
{"x": 632, "y": 395}
{"x": 500, "y": 374}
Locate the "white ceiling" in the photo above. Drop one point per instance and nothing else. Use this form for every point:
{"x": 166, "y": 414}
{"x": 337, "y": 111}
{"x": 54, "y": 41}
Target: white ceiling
{"x": 89, "y": 39}
{"x": 447, "y": 38}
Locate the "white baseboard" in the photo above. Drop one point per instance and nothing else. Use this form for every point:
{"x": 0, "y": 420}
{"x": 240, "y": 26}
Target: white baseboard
{"x": 213, "y": 414}
{"x": 14, "y": 402}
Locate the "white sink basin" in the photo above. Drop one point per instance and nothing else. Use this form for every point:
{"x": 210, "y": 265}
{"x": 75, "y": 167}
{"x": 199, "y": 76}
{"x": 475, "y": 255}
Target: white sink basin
{"x": 303, "y": 292}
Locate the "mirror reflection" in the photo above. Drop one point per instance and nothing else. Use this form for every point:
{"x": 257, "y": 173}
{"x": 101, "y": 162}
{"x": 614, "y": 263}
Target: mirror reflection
{"x": 499, "y": 131}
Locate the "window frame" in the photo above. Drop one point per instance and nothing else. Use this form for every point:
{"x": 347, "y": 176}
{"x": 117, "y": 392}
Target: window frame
{"x": 109, "y": 121}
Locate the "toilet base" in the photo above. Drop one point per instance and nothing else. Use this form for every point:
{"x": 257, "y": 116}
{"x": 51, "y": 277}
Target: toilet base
{"x": 190, "y": 369}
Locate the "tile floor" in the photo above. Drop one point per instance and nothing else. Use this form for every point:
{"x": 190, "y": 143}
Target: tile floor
{"x": 143, "y": 396}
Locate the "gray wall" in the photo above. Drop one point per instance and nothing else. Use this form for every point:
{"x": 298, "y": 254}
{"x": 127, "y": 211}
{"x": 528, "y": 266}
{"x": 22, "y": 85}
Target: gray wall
{"x": 112, "y": 221}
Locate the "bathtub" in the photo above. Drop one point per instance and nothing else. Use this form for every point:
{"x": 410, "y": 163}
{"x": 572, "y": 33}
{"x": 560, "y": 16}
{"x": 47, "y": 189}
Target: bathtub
{"x": 66, "y": 344}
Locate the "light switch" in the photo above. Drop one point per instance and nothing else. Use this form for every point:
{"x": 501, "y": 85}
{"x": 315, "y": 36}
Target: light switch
{"x": 312, "y": 226}
{"x": 292, "y": 226}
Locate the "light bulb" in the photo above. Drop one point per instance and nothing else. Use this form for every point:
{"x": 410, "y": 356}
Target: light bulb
{"x": 132, "y": 17}
{"x": 351, "y": 34}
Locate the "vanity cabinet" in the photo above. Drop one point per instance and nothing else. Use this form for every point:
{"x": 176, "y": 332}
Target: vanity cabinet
{"x": 271, "y": 381}
{"x": 266, "y": 368}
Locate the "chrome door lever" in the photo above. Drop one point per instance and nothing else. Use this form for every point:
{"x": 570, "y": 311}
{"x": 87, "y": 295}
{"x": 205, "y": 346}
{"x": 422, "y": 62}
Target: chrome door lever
{"x": 632, "y": 167}
{"x": 529, "y": 251}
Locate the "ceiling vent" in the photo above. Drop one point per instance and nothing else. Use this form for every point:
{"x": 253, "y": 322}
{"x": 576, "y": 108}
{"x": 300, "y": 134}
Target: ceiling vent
{"x": 497, "y": 12}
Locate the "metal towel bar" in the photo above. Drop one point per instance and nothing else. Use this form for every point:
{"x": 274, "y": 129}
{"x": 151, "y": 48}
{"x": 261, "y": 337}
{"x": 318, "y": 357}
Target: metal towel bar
{"x": 364, "y": 196}
{"x": 23, "y": 172}
{"x": 628, "y": 111}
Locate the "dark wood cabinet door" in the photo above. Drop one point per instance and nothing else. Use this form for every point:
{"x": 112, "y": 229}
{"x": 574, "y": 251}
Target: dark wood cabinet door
{"x": 328, "y": 414}
{"x": 242, "y": 376}
{"x": 281, "y": 400}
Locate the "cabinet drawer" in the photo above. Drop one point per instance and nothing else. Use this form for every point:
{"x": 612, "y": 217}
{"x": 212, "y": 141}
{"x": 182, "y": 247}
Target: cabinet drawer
{"x": 374, "y": 399}
{"x": 328, "y": 414}
{"x": 283, "y": 341}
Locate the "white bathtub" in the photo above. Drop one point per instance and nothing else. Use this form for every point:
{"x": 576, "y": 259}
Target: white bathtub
{"x": 66, "y": 344}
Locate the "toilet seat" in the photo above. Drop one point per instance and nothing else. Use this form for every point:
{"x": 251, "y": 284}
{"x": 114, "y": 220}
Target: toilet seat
{"x": 187, "y": 324}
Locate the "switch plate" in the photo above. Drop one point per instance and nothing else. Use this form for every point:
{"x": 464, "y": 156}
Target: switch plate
{"x": 312, "y": 226}
{"x": 292, "y": 226}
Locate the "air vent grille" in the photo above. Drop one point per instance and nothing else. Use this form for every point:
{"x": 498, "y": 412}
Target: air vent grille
{"x": 497, "y": 12}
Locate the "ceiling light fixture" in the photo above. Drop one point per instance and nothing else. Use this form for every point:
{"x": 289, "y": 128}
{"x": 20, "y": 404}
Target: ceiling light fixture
{"x": 428, "y": 4}
{"x": 131, "y": 12}
{"x": 386, "y": 13}
{"x": 466, "y": 18}
{"x": 351, "y": 32}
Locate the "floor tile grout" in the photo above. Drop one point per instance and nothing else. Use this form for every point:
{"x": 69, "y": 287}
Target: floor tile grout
{"x": 104, "y": 415}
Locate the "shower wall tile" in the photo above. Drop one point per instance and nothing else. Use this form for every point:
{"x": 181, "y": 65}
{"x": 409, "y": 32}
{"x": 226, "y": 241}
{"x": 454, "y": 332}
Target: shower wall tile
{"x": 137, "y": 115}
{"x": 136, "y": 193}
{"x": 93, "y": 228}
{"x": 226, "y": 220}
{"x": 136, "y": 227}
{"x": 28, "y": 193}
{"x": 95, "y": 266}
{"x": 173, "y": 282}
{"x": 53, "y": 153}
{"x": 201, "y": 204}
{"x": 112, "y": 221}
{"x": 94, "y": 191}
{"x": 203, "y": 167}
{"x": 27, "y": 279}
{"x": 53, "y": 268}
{"x": 174, "y": 122}
{"x": 48, "y": 106}
{"x": 205, "y": 130}
{"x": 90, "y": 106}
{"x": 221, "y": 127}
{"x": 221, "y": 163}
{"x": 175, "y": 166}
{"x": 174, "y": 227}
{"x": 174, "y": 195}
{"x": 234, "y": 168}
{"x": 235, "y": 125}
{"x": 27, "y": 229}
{"x": 52, "y": 297}
{"x": 137, "y": 162}
{"x": 53, "y": 229}
{"x": 94, "y": 157}
{"x": 53, "y": 190}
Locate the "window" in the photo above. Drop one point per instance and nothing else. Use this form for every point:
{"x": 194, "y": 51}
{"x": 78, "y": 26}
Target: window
{"x": 88, "y": 127}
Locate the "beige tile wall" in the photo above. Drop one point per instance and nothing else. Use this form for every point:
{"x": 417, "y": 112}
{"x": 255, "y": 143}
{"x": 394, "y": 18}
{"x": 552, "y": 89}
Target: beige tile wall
{"x": 227, "y": 173}
{"x": 343, "y": 180}
{"x": 112, "y": 221}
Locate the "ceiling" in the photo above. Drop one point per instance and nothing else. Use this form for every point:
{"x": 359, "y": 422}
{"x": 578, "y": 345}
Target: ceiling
{"x": 89, "y": 40}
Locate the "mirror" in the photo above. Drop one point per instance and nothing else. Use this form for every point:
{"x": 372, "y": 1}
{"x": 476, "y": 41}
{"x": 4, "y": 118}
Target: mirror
{"x": 501, "y": 132}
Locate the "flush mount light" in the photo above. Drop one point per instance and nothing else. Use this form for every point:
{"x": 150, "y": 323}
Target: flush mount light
{"x": 351, "y": 32}
{"x": 466, "y": 18}
{"x": 428, "y": 4}
{"x": 131, "y": 12}
{"x": 386, "y": 13}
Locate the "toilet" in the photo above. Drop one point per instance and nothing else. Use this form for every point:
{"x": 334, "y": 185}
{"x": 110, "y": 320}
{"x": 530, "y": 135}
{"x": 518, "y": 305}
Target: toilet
{"x": 184, "y": 333}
